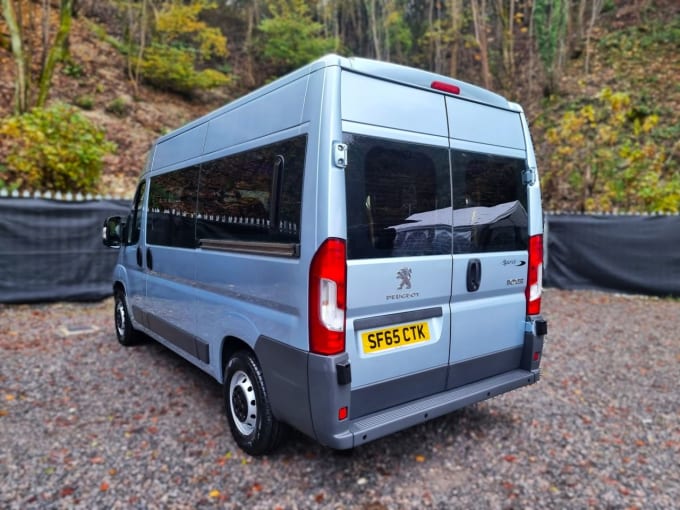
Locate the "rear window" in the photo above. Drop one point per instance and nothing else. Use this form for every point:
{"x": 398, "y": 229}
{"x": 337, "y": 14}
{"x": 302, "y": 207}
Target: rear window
{"x": 398, "y": 199}
{"x": 489, "y": 202}
{"x": 406, "y": 199}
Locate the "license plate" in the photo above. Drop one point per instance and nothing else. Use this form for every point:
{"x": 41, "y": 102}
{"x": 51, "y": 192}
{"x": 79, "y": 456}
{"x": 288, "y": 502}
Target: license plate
{"x": 394, "y": 337}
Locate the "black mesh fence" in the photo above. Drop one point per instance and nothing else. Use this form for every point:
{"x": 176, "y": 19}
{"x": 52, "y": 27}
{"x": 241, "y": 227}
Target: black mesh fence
{"x": 52, "y": 250}
{"x": 626, "y": 253}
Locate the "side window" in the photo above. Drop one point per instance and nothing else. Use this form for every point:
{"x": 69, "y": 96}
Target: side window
{"x": 398, "y": 198}
{"x": 135, "y": 218}
{"x": 254, "y": 195}
{"x": 489, "y": 201}
{"x": 171, "y": 218}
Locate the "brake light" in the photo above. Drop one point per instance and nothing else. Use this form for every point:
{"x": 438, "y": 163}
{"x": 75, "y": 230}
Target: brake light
{"x": 445, "y": 87}
{"x": 327, "y": 294}
{"x": 535, "y": 277}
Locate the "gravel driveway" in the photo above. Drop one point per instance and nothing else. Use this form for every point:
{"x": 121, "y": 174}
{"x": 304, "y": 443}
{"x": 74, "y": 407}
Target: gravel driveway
{"x": 86, "y": 423}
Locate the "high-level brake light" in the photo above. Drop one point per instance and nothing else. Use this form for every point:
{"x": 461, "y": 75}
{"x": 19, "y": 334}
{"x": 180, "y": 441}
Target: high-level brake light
{"x": 445, "y": 87}
{"x": 535, "y": 277}
{"x": 327, "y": 295}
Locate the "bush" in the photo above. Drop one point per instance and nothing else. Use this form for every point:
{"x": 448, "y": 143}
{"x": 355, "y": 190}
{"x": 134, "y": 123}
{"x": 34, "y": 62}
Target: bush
{"x": 607, "y": 156}
{"x": 85, "y": 102}
{"x": 53, "y": 148}
{"x": 173, "y": 69}
{"x": 118, "y": 107}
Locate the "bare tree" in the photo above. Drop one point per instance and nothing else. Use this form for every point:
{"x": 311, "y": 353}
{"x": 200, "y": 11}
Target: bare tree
{"x": 479, "y": 19}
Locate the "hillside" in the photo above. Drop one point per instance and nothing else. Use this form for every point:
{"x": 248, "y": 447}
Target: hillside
{"x": 634, "y": 51}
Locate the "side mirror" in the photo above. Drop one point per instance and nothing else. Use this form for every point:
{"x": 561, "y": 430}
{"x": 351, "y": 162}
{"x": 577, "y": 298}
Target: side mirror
{"x": 112, "y": 232}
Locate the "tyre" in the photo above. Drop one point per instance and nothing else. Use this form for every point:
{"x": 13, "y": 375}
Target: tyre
{"x": 126, "y": 334}
{"x": 252, "y": 424}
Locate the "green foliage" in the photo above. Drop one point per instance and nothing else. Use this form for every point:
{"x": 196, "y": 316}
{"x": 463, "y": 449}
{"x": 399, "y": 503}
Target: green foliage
{"x": 174, "y": 69}
{"x": 550, "y": 20}
{"x": 73, "y": 69}
{"x": 291, "y": 38}
{"x": 606, "y": 156}
{"x": 118, "y": 107}
{"x": 400, "y": 37}
{"x": 181, "y": 45}
{"x": 86, "y": 102}
{"x": 53, "y": 148}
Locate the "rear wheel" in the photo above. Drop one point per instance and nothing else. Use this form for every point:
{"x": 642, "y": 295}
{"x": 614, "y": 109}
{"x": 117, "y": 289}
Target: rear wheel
{"x": 254, "y": 427}
{"x": 125, "y": 333}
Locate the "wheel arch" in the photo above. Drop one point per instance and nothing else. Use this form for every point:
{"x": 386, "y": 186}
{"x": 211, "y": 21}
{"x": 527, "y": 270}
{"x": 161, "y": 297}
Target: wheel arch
{"x": 230, "y": 345}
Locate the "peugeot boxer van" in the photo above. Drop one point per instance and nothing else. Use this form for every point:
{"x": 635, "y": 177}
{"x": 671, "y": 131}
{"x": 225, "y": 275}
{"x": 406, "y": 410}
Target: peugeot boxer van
{"x": 350, "y": 250}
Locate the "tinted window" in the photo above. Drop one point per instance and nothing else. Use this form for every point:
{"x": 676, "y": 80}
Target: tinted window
{"x": 253, "y": 195}
{"x": 489, "y": 201}
{"x": 172, "y": 209}
{"x": 398, "y": 199}
{"x": 135, "y": 218}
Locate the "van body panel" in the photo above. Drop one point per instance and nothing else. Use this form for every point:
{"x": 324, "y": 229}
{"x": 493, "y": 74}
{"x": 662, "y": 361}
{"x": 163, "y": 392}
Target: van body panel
{"x": 380, "y": 103}
{"x": 270, "y": 113}
{"x": 182, "y": 147}
{"x": 285, "y": 374}
{"x": 434, "y": 201}
{"x": 470, "y": 121}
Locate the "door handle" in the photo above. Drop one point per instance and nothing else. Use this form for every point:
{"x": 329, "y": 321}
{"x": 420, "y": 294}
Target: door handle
{"x": 139, "y": 256}
{"x": 149, "y": 259}
{"x": 474, "y": 274}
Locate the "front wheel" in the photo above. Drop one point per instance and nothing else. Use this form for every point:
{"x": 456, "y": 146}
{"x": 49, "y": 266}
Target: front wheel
{"x": 125, "y": 333}
{"x": 254, "y": 427}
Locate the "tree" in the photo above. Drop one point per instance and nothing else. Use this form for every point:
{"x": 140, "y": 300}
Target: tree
{"x": 550, "y": 22}
{"x": 291, "y": 37}
{"x": 181, "y": 43}
{"x": 23, "y": 97}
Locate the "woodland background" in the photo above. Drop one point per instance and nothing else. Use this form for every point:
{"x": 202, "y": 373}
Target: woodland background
{"x": 86, "y": 85}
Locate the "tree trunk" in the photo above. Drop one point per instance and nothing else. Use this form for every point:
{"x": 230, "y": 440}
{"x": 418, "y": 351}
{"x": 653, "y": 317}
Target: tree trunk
{"x": 22, "y": 79}
{"x": 456, "y": 8}
{"x": 479, "y": 18}
{"x": 56, "y": 51}
{"x": 374, "y": 30}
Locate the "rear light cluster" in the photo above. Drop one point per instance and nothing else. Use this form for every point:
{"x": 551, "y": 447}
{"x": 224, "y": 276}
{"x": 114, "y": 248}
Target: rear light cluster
{"x": 327, "y": 297}
{"x": 535, "y": 277}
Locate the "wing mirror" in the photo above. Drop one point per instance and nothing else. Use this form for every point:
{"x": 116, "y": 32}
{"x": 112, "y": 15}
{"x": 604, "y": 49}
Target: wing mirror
{"x": 112, "y": 232}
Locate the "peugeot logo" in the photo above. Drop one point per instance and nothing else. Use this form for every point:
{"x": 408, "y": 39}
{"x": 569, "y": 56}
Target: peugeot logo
{"x": 404, "y": 274}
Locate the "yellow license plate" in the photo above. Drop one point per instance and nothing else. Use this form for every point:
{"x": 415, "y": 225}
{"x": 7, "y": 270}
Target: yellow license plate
{"x": 397, "y": 336}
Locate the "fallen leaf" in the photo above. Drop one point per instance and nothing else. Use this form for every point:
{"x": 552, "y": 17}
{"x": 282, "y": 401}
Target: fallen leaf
{"x": 510, "y": 458}
{"x": 319, "y": 497}
{"x": 66, "y": 491}
{"x": 3, "y": 412}
{"x": 215, "y": 494}
{"x": 9, "y": 397}
{"x": 420, "y": 458}
{"x": 104, "y": 487}
{"x": 257, "y": 487}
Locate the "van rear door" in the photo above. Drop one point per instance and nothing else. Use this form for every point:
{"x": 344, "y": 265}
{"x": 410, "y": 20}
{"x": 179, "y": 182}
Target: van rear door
{"x": 490, "y": 245}
{"x": 399, "y": 269}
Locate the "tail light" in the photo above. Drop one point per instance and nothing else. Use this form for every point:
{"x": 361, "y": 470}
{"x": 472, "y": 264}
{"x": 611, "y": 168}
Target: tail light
{"x": 327, "y": 295}
{"x": 535, "y": 276}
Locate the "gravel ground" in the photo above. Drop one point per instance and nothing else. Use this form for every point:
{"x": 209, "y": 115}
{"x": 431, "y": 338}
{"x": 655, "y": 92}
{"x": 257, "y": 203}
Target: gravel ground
{"x": 85, "y": 423}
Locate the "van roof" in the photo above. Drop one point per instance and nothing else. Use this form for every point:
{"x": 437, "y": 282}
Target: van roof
{"x": 383, "y": 70}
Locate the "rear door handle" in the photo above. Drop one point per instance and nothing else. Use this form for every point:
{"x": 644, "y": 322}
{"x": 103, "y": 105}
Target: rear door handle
{"x": 474, "y": 274}
{"x": 139, "y": 256}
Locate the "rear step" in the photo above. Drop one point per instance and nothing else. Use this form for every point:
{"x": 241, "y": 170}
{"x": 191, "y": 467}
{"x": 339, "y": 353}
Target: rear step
{"x": 374, "y": 426}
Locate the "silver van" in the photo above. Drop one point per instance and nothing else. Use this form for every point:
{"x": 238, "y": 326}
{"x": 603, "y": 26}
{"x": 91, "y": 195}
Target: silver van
{"x": 351, "y": 250}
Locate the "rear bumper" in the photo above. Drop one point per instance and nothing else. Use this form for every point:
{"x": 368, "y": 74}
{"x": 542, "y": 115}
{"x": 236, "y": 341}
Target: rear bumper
{"x": 373, "y": 426}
